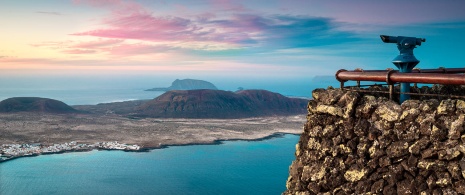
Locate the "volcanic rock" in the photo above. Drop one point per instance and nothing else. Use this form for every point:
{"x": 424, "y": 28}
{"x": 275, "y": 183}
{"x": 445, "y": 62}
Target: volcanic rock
{"x": 360, "y": 143}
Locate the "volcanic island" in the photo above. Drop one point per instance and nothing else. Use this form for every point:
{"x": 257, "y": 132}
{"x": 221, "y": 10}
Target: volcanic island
{"x": 32, "y": 126}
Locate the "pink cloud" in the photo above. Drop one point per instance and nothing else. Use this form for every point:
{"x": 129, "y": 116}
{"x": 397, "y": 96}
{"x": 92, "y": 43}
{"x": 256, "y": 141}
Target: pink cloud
{"x": 144, "y": 26}
{"x": 79, "y": 51}
{"x": 129, "y": 20}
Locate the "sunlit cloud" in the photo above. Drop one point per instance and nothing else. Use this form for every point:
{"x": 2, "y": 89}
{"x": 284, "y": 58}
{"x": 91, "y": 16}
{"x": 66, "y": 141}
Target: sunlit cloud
{"x": 235, "y": 30}
{"x": 79, "y": 51}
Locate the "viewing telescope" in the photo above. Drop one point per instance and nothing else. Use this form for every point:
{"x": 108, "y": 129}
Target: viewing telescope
{"x": 405, "y": 61}
{"x": 402, "y": 40}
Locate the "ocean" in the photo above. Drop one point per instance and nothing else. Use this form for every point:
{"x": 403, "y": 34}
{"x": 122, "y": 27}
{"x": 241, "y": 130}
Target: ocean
{"x": 233, "y": 167}
{"x": 94, "y": 90}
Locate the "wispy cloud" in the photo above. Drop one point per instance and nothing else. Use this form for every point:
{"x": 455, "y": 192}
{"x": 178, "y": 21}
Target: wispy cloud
{"x": 236, "y": 30}
{"x": 50, "y": 13}
{"x": 79, "y": 51}
{"x": 101, "y": 43}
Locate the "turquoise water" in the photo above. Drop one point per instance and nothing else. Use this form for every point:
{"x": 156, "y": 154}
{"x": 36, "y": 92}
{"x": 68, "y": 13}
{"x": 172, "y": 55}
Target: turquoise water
{"x": 234, "y": 167}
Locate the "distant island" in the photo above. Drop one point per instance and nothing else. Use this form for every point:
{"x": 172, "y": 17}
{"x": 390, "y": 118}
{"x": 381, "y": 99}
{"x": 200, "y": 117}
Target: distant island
{"x": 186, "y": 84}
{"x": 34, "y": 126}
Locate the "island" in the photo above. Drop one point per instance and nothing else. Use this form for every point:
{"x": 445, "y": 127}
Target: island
{"x": 129, "y": 126}
{"x": 186, "y": 84}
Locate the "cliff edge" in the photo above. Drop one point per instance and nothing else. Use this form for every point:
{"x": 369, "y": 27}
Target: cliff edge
{"x": 362, "y": 144}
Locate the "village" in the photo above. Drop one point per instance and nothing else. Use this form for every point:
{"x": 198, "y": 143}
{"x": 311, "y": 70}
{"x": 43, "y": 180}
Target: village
{"x": 11, "y": 151}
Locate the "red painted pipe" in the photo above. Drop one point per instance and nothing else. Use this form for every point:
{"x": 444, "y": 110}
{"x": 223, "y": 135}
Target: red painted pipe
{"x": 397, "y": 77}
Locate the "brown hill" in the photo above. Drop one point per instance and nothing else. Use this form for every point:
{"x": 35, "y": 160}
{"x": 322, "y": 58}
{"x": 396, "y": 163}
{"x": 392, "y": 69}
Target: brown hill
{"x": 34, "y": 104}
{"x": 220, "y": 104}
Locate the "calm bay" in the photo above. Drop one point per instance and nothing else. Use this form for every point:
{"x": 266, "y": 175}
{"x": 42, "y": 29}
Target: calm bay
{"x": 233, "y": 167}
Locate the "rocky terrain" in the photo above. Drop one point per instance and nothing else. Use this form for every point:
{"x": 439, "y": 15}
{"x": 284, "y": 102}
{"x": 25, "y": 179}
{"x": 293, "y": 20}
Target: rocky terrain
{"x": 356, "y": 143}
{"x": 44, "y": 128}
{"x": 186, "y": 84}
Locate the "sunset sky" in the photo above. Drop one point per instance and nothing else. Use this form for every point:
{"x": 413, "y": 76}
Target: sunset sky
{"x": 264, "y": 39}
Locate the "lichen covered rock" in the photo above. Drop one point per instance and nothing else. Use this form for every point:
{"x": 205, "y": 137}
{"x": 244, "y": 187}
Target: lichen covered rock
{"x": 363, "y": 144}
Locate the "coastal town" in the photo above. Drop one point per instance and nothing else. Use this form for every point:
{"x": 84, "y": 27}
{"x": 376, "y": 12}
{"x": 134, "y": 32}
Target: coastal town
{"x": 11, "y": 151}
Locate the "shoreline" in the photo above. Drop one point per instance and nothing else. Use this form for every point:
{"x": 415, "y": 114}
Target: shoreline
{"x": 217, "y": 142}
{"x": 148, "y": 149}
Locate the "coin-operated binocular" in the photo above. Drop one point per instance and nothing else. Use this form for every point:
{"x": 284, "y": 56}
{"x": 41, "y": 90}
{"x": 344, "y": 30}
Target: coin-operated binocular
{"x": 405, "y": 61}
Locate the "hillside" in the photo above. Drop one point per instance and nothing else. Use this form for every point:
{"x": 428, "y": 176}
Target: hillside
{"x": 34, "y": 104}
{"x": 220, "y": 104}
{"x": 186, "y": 84}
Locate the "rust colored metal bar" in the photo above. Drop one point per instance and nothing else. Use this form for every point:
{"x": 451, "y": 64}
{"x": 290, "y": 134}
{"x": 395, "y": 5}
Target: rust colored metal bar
{"x": 397, "y": 77}
{"x": 439, "y": 70}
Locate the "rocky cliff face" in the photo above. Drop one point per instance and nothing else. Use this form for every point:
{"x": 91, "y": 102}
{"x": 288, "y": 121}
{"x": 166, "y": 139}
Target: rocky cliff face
{"x": 362, "y": 144}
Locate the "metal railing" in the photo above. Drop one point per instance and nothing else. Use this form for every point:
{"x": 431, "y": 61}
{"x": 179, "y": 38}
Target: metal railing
{"x": 444, "y": 76}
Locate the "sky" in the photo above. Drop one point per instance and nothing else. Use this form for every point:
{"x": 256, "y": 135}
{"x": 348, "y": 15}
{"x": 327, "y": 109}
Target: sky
{"x": 250, "y": 40}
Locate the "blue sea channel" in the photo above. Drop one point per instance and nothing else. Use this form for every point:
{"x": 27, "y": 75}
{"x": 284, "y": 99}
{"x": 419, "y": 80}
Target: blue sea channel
{"x": 233, "y": 167}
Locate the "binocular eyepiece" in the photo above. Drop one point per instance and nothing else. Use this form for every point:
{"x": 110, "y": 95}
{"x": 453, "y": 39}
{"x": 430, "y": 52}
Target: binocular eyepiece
{"x": 401, "y": 40}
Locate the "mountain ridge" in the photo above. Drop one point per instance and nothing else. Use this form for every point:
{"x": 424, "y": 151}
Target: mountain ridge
{"x": 220, "y": 104}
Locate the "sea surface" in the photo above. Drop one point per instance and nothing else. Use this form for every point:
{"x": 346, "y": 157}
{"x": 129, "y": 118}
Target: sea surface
{"x": 91, "y": 91}
{"x": 234, "y": 167}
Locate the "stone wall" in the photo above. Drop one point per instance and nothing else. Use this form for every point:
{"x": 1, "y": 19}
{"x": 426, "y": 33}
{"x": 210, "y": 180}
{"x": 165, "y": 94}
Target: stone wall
{"x": 362, "y": 144}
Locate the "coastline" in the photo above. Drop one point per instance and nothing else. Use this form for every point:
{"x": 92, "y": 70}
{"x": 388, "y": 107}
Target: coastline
{"x": 217, "y": 142}
{"x": 148, "y": 149}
